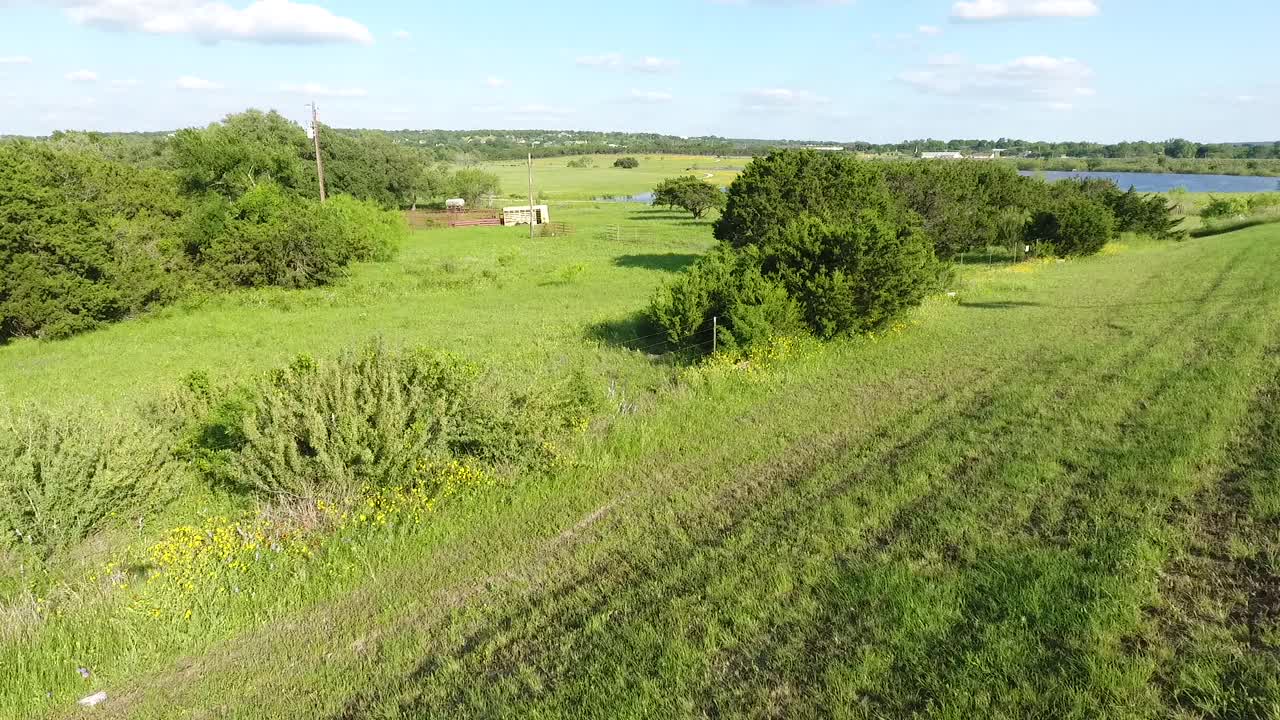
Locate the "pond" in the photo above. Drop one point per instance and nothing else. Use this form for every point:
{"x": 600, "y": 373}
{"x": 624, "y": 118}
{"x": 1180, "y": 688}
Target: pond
{"x": 1164, "y": 182}
{"x": 646, "y": 198}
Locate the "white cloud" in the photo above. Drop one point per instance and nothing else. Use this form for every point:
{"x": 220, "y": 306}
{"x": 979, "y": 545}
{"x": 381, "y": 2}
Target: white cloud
{"x": 124, "y": 84}
{"x": 191, "y": 82}
{"x": 931, "y": 30}
{"x": 541, "y": 109}
{"x": 494, "y": 81}
{"x": 979, "y": 10}
{"x": 655, "y": 64}
{"x": 618, "y": 62}
{"x": 607, "y": 61}
{"x": 15, "y": 60}
{"x": 782, "y": 99}
{"x": 262, "y": 21}
{"x": 86, "y": 76}
{"x": 1055, "y": 82}
{"x": 312, "y": 89}
{"x": 401, "y": 35}
{"x": 650, "y": 96}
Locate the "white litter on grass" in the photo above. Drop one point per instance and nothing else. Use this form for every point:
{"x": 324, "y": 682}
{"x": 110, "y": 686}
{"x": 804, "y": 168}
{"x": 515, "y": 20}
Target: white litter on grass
{"x": 951, "y": 294}
{"x": 93, "y": 699}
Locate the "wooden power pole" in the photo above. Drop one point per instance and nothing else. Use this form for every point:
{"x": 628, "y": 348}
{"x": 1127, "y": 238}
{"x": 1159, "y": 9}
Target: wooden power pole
{"x": 532, "y": 215}
{"x": 315, "y": 137}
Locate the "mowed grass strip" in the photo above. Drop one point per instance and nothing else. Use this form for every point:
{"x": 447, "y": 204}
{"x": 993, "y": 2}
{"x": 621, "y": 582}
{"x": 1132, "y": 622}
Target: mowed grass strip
{"x": 975, "y": 517}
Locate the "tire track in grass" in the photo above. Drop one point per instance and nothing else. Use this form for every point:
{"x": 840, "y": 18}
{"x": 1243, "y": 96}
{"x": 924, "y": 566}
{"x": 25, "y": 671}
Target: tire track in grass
{"x": 596, "y": 608}
{"x": 1218, "y": 621}
{"x": 926, "y": 513}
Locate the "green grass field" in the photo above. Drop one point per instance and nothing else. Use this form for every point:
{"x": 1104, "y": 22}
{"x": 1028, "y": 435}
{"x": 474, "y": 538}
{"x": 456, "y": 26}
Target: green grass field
{"x": 557, "y": 181}
{"x": 1052, "y": 495}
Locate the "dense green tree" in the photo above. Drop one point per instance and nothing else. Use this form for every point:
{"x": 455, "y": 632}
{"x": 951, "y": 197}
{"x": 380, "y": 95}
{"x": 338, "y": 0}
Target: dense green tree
{"x": 247, "y": 148}
{"x": 689, "y": 193}
{"x": 472, "y": 184}
{"x": 626, "y": 163}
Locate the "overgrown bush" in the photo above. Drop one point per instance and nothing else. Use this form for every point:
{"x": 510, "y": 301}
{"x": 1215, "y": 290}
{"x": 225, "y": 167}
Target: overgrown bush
{"x": 64, "y": 477}
{"x": 270, "y": 237}
{"x": 965, "y": 205}
{"x": 1151, "y": 215}
{"x": 328, "y": 429}
{"x": 728, "y": 285}
{"x": 1075, "y": 225}
{"x": 812, "y": 241}
{"x": 626, "y": 163}
{"x": 1224, "y": 207}
{"x": 368, "y": 232}
{"x": 83, "y": 241}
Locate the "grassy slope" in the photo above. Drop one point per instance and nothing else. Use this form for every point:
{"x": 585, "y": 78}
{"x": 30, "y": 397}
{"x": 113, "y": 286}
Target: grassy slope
{"x": 1056, "y": 497}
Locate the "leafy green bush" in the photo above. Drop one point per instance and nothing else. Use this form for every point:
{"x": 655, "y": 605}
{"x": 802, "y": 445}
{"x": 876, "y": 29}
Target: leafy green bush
{"x": 728, "y": 285}
{"x": 626, "y": 163}
{"x": 83, "y": 241}
{"x": 327, "y": 429}
{"x": 64, "y": 477}
{"x": 270, "y": 237}
{"x": 965, "y": 205}
{"x": 1075, "y": 225}
{"x": 368, "y": 232}
{"x": 852, "y": 276}
{"x": 1224, "y": 207}
{"x": 1151, "y": 215}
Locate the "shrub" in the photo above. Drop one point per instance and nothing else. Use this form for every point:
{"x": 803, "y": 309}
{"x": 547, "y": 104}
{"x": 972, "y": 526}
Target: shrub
{"x": 83, "y": 241}
{"x": 1075, "y": 225}
{"x": 370, "y": 233}
{"x": 327, "y": 430}
{"x": 852, "y": 276}
{"x": 582, "y": 162}
{"x": 1222, "y": 207}
{"x": 965, "y": 205}
{"x": 784, "y": 185}
{"x": 728, "y": 285}
{"x": 626, "y": 163}
{"x": 65, "y": 477}
{"x": 1151, "y": 215}
{"x": 270, "y": 237}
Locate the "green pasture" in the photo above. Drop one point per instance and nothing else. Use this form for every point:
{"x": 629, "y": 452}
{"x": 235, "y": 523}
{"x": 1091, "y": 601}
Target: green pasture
{"x": 555, "y": 180}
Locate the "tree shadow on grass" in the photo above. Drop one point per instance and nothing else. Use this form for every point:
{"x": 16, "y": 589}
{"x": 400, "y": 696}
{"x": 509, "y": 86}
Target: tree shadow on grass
{"x": 676, "y": 217}
{"x": 667, "y": 262}
{"x": 633, "y": 332}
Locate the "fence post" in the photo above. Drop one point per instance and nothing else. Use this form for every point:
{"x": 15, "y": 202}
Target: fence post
{"x": 715, "y": 333}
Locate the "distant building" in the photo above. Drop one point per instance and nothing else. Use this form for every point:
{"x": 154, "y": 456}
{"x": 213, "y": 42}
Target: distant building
{"x": 519, "y": 215}
{"x": 942, "y": 156}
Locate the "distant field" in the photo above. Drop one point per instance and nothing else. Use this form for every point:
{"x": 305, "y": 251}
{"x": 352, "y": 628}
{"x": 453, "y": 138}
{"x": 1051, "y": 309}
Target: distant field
{"x": 556, "y": 181}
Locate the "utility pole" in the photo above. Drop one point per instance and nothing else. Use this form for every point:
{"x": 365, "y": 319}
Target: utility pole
{"x": 315, "y": 137}
{"x": 532, "y": 216}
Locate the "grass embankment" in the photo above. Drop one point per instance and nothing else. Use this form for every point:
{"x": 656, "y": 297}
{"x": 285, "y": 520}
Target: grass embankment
{"x": 1054, "y": 496}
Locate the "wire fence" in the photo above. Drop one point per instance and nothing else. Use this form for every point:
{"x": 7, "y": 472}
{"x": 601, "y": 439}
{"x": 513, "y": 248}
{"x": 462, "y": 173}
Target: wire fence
{"x": 701, "y": 340}
{"x": 625, "y": 234}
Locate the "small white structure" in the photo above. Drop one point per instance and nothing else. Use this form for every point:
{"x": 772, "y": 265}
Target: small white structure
{"x": 455, "y": 204}
{"x": 942, "y": 156}
{"x": 520, "y": 215}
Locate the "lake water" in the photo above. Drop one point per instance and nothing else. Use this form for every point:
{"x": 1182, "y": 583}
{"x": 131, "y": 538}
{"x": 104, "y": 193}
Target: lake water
{"x": 1143, "y": 182}
{"x": 1164, "y": 182}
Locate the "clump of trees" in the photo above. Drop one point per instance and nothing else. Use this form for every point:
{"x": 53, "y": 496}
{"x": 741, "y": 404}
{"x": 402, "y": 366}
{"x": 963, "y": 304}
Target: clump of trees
{"x": 86, "y": 239}
{"x": 810, "y": 241}
{"x": 626, "y": 163}
{"x": 689, "y": 193}
{"x": 831, "y": 245}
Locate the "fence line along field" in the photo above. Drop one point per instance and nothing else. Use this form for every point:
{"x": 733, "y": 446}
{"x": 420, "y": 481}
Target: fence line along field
{"x": 1007, "y": 456}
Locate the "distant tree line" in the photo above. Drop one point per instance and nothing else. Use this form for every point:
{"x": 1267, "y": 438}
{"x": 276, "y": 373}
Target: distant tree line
{"x": 462, "y": 147}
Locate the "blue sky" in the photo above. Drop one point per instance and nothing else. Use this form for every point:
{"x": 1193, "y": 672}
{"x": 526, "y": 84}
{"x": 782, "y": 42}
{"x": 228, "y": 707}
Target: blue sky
{"x": 879, "y": 70}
